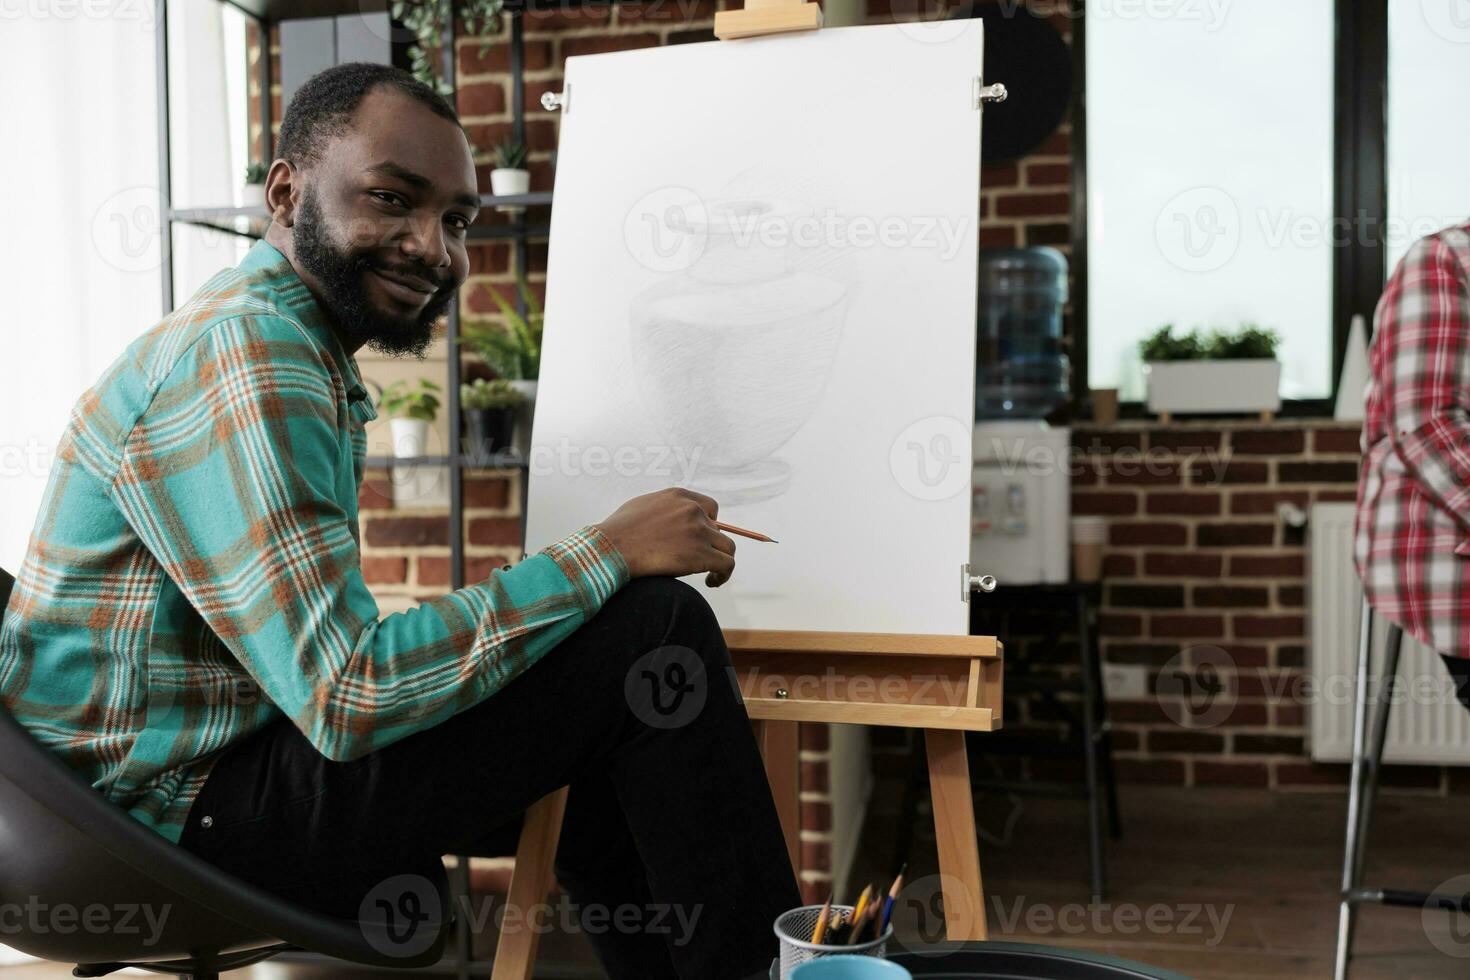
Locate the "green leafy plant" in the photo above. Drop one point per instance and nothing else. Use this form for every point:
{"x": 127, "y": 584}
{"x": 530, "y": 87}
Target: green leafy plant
{"x": 399, "y": 400}
{"x": 429, "y": 20}
{"x": 511, "y": 155}
{"x": 512, "y": 351}
{"x": 1162, "y": 345}
{"x": 482, "y": 394}
{"x": 1248, "y": 342}
{"x": 255, "y": 173}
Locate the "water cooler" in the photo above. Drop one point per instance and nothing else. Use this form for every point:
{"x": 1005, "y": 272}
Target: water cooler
{"x": 1021, "y": 507}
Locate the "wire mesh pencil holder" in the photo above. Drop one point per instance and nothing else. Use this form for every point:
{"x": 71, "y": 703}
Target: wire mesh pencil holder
{"x": 794, "y": 931}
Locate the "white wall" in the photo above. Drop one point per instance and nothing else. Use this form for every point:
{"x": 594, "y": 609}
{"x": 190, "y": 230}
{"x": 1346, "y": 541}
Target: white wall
{"x": 79, "y": 253}
{"x": 80, "y": 257}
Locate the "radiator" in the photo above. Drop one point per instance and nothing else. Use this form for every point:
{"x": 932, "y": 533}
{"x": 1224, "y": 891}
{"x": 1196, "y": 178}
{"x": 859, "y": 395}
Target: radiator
{"x": 1427, "y": 725}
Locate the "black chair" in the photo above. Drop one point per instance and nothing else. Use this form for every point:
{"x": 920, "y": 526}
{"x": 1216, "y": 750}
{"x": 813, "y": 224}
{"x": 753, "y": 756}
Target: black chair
{"x": 63, "y": 846}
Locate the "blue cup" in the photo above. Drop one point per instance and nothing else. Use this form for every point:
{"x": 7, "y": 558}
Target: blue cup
{"x": 850, "y": 968}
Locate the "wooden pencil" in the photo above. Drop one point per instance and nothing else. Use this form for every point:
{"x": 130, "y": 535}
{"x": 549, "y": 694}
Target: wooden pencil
{"x": 756, "y": 535}
{"x": 821, "y": 927}
{"x": 892, "y": 898}
{"x": 835, "y": 929}
{"x": 869, "y": 915}
{"x": 857, "y": 913}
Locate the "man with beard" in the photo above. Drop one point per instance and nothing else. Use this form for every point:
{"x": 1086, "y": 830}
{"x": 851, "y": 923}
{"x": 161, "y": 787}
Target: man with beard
{"x": 191, "y": 630}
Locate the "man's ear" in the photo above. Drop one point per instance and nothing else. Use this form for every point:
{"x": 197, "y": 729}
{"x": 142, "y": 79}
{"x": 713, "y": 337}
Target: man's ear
{"x": 282, "y": 188}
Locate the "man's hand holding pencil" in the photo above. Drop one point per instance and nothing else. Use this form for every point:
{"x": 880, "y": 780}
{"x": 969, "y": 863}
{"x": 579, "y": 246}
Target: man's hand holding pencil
{"x": 674, "y": 532}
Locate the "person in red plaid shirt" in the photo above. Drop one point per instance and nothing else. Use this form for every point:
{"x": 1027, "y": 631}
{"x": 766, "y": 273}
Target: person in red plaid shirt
{"x": 1412, "y": 545}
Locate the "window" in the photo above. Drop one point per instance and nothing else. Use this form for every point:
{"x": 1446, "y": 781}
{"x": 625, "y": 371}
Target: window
{"x": 209, "y": 133}
{"x": 1428, "y": 141}
{"x": 1210, "y": 179}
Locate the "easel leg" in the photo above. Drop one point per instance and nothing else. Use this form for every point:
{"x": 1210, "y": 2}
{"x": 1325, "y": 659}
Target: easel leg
{"x": 779, "y": 750}
{"x": 530, "y": 882}
{"x": 954, "y": 831}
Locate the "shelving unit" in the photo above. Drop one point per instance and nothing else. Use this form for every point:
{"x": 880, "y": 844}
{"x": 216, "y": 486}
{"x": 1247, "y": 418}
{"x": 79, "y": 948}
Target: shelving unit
{"x": 251, "y": 222}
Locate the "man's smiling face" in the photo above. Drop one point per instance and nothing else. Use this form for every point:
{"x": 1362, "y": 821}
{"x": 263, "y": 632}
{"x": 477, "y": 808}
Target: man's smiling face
{"x": 376, "y": 225}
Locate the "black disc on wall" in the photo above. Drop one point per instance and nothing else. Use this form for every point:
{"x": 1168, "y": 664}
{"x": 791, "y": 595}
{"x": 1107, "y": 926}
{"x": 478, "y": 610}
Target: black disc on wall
{"x": 1026, "y": 54}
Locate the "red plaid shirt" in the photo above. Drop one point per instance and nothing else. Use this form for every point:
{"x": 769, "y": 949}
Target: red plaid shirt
{"x": 1413, "y": 524}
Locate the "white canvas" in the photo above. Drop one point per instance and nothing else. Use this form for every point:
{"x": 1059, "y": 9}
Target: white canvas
{"x": 761, "y": 285}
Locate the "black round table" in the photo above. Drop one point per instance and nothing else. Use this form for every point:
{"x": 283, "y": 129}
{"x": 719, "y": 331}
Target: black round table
{"x": 1017, "y": 961}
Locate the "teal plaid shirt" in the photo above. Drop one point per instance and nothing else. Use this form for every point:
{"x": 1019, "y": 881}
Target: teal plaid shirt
{"x": 194, "y": 572}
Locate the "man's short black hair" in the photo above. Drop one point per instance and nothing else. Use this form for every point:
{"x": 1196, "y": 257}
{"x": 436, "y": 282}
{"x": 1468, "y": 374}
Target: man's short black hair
{"x": 322, "y": 108}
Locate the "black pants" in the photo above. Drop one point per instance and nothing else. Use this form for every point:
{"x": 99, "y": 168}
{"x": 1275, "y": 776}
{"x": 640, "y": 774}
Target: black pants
{"x": 1459, "y": 669}
{"x": 671, "y": 852}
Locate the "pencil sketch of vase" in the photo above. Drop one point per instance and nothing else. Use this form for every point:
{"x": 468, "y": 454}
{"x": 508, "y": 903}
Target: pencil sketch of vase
{"x": 732, "y": 354}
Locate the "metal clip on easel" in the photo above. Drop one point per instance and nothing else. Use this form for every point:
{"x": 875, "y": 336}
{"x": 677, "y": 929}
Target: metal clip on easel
{"x": 970, "y": 582}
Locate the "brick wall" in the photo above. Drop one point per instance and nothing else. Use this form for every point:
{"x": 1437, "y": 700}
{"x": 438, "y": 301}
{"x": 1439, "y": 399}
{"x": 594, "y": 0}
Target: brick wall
{"x": 1199, "y": 567}
{"x": 1197, "y": 560}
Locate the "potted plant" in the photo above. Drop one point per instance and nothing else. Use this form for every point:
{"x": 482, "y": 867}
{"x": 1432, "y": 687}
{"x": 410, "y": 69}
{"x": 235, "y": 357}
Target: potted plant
{"x": 411, "y": 411}
{"x": 513, "y": 351}
{"x": 510, "y": 177}
{"x": 1213, "y": 372}
{"x": 429, "y": 20}
{"x": 489, "y": 414}
{"x": 252, "y": 192}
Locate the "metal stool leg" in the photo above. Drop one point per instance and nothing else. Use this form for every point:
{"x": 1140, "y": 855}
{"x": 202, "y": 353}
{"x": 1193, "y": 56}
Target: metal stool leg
{"x": 1367, "y": 755}
{"x": 1374, "y": 763}
{"x": 1350, "y": 850}
{"x": 1090, "y": 738}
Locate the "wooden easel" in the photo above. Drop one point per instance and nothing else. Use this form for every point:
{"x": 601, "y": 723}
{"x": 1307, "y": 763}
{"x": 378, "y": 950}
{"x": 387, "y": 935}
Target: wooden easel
{"x": 944, "y": 685}
{"x": 767, "y": 17}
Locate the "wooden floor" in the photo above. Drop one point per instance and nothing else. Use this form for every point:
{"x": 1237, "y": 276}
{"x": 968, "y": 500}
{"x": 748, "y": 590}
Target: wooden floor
{"x": 1235, "y": 883}
{"x": 1238, "y": 883}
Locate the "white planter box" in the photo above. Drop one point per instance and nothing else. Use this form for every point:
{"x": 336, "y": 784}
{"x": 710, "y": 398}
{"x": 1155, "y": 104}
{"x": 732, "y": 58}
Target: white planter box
{"x": 1214, "y": 386}
{"x": 252, "y": 195}
{"x": 505, "y": 181}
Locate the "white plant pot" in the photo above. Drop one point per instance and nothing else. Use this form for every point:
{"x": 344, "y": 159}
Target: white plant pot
{"x": 416, "y": 484}
{"x": 521, "y": 438}
{"x": 508, "y": 180}
{"x": 252, "y": 195}
{"x": 1210, "y": 386}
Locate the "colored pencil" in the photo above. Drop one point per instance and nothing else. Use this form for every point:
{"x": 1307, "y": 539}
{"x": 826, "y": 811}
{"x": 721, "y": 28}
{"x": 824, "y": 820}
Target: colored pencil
{"x": 857, "y": 913}
{"x": 836, "y": 929}
{"x": 892, "y": 898}
{"x": 744, "y": 533}
{"x": 821, "y": 927}
{"x": 838, "y": 936}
